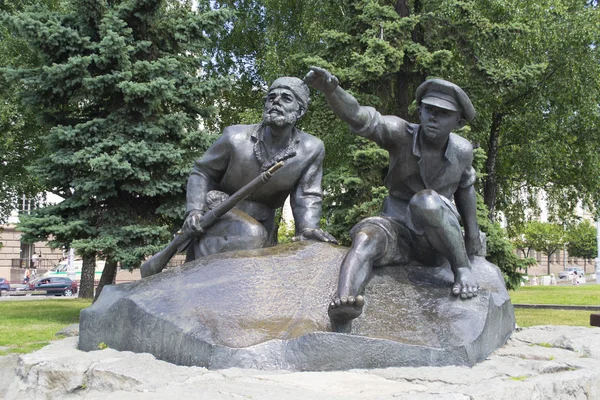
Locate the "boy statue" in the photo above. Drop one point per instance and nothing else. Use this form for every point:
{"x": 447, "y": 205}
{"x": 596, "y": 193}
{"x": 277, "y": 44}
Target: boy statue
{"x": 429, "y": 166}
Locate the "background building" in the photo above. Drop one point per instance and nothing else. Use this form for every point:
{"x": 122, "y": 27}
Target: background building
{"x": 561, "y": 258}
{"x": 15, "y": 255}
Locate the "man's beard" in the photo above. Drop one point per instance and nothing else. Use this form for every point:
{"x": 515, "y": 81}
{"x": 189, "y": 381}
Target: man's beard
{"x": 279, "y": 119}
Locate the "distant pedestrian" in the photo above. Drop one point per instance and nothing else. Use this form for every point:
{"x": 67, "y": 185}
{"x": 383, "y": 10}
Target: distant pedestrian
{"x": 37, "y": 260}
{"x": 534, "y": 281}
{"x": 27, "y": 276}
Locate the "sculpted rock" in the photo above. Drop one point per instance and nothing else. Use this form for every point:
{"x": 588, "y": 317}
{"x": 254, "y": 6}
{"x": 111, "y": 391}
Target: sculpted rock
{"x": 267, "y": 309}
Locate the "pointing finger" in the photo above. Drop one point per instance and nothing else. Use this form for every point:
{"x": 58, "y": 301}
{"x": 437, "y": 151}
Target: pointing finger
{"x": 319, "y": 71}
{"x": 310, "y": 77}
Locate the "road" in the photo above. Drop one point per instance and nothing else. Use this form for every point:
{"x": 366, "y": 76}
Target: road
{"x": 29, "y": 296}
{"x": 19, "y": 294}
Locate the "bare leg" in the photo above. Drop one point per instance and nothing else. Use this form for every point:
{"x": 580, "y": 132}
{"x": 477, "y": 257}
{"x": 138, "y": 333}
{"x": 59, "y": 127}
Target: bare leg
{"x": 367, "y": 246}
{"x": 443, "y": 232}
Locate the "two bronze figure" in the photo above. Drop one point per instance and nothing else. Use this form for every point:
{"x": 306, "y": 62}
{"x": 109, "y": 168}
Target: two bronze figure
{"x": 430, "y": 166}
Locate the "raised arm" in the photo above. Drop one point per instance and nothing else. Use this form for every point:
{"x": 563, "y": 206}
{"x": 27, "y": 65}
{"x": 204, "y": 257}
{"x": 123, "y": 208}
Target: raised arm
{"x": 363, "y": 121}
{"x": 343, "y": 104}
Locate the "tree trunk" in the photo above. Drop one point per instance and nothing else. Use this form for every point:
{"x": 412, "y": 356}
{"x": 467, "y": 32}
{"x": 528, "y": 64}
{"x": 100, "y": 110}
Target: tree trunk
{"x": 401, "y": 8}
{"x": 108, "y": 277}
{"x": 403, "y": 97}
{"x": 418, "y": 34}
{"x": 549, "y": 255}
{"x": 407, "y": 79}
{"x": 88, "y": 270}
{"x": 490, "y": 189}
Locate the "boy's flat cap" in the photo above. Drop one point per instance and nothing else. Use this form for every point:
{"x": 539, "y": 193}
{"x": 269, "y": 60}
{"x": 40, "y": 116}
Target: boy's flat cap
{"x": 446, "y": 95}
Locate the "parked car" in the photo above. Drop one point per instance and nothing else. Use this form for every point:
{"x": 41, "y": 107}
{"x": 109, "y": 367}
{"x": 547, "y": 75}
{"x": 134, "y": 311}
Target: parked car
{"x": 4, "y": 284}
{"x": 62, "y": 267}
{"x": 57, "y": 285}
{"x": 569, "y": 272}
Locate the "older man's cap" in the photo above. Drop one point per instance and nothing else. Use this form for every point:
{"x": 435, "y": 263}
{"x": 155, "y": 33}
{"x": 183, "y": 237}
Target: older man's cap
{"x": 296, "y": 86}
{"x": 446, "y": 95}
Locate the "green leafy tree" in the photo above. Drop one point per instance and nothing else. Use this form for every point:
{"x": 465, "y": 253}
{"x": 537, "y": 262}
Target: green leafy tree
{"x": 20, "y": 131}
{"x": 525, "y": 64}
{"x": 121, "y": 90}
{"x": 531, "y": 68}
{"x": 544, "y": 237}
{"x": 582, "y": 241}
{"x": 500, "y": 250}
{"x": 277, "y": 38}
{"x": 521, "y": 245}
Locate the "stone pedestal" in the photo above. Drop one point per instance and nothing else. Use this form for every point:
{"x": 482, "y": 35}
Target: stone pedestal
{"x": 267, "y": 309}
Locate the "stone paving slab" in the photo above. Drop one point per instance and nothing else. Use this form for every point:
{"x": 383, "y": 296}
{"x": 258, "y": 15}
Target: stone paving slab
{"x": 544, "y": 362}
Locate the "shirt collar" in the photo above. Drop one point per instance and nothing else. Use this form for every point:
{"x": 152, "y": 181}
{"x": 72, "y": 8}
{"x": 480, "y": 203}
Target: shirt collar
{"x": 259, "y": 131}
{"x": 260, "y": 148}
{"x": 450, "y": 152}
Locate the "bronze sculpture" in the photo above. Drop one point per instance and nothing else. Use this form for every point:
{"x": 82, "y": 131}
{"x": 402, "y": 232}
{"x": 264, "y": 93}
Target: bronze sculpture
{"x": 429, "y": 165}
{"x": 264, "y": 308}
{"x": 242, "y": 155}
{"x": 219, "y": 205}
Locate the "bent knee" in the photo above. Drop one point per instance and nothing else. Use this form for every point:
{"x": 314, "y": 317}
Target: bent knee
{"x": 237, "y": 223}
{"x": 248, "y": 230}
{"x": 427, "y": 207}
{"x": 369, "y": 242}
{"x": 368, "y": 234}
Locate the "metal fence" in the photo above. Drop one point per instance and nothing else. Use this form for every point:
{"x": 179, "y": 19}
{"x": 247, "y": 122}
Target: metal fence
{"x": 41, "y": 263}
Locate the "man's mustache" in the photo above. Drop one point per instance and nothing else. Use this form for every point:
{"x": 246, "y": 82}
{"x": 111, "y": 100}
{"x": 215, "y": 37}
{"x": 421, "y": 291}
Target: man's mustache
{"x": 276, "y": 109}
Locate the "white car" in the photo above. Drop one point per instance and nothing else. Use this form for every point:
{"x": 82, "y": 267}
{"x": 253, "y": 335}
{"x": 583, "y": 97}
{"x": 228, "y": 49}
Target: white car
{"x": 569, "y": 272}
{"x": 61, "y": 269}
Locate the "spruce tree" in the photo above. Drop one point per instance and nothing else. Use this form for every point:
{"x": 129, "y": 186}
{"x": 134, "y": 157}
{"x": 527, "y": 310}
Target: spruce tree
{"x": 123, "y": 90}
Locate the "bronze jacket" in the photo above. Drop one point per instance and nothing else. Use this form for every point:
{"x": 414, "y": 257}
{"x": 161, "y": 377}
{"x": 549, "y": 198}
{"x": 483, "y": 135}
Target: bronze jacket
{"x": 407, "y": 174}
{"x": 233, "y": 161}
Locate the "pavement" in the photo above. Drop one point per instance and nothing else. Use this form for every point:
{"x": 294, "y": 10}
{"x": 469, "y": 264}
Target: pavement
{"x": 543, "y": 362}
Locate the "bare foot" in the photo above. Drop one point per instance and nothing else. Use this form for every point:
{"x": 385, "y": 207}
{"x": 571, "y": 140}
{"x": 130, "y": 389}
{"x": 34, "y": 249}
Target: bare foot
{"x": 342, "y": 310}
{"x": 465, "y": 284}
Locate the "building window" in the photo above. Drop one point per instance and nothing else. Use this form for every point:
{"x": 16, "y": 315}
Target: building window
{"x": 27, "y": 251}
{"x": 27, "y": 204}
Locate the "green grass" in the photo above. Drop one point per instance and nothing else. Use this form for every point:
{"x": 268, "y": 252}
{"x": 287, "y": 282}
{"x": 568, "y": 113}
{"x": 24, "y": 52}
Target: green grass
{"x": 530, "y": 317}
{"x": 26, "y": 326}
{"x": 583, "y": 295}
